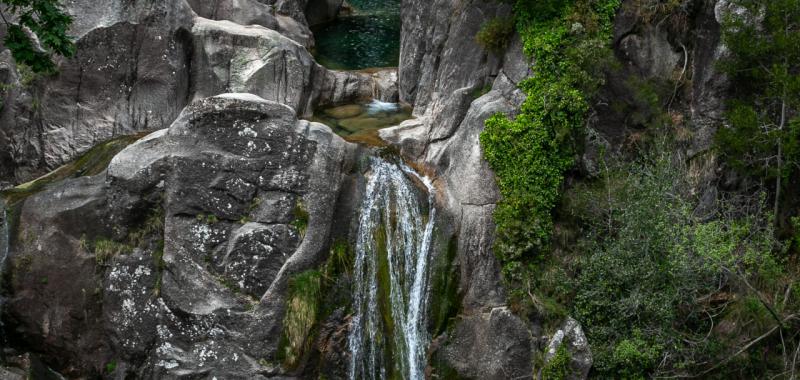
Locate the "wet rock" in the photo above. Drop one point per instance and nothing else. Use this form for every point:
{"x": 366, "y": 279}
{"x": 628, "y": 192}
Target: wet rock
{"x": 322, "y": 11}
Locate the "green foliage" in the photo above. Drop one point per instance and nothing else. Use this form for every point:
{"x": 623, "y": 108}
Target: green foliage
{"x": 495, "y": 34}
{"x": 649, "y": 11}
{"x": 209, "y": 219}
{"x": 558, "y": 368}
{"x": 642, "y": 289}
{"x": 445, "y": 299}
{"x": 531, "y": 154}
{"x": 302, "y": 307}
{"x": 763, "y": 135}
{"x": 796, "y": 225}
{"x": 48, "y": 23}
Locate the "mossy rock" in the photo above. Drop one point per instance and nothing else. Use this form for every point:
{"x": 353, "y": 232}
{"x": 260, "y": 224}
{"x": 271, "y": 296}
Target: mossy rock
{"x": 90, "y": 163}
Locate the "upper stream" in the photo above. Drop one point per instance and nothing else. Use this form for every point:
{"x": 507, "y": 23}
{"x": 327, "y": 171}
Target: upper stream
{"x": 370, "y": 37}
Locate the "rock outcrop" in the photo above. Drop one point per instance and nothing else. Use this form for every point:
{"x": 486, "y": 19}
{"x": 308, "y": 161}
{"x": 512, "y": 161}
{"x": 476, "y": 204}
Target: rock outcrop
{"x": 138, "y": 65}
{"x": 570, "y": 335}
{"x": 174, "y": 262}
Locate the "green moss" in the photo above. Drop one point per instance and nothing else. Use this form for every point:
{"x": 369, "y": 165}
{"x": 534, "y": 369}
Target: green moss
{"x": 481, "y": 91}
{"x": 558, "y": 368}
{"x": 160, "y": 265}
{"x": 340, "y": 261}
{"x": 302, "y": 309}
{"x": 90, "y": 163}
{"x": 445, "y": 299}
{"x": 209, "y": 219}
{"x": 386, "y": 334}
{"x": 111, "y": 366}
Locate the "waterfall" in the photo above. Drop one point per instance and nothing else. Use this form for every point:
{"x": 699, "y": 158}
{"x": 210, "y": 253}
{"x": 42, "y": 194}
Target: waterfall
{"x": 5, "y": 248}
{"x": 392, "y": 251}
{"x": 5, "y": 238}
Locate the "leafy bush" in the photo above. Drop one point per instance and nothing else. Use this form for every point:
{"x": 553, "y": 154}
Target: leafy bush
{"x": 656, "y": 281}
{"x": 494, "y": 34}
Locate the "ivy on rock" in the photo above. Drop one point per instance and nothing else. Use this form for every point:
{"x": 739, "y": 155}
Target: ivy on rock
{"x": 531, "y": 153}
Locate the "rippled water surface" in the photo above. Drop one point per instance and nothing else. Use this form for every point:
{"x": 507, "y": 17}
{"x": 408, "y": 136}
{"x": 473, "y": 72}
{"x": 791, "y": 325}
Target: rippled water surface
{"x": 370, "y": 37}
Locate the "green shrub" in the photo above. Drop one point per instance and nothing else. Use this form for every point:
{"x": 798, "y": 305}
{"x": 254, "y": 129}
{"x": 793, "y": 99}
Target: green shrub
{"x": 634, "y": 358}
{"x": 495, "y": 34}
{"x": 642, "y": 290}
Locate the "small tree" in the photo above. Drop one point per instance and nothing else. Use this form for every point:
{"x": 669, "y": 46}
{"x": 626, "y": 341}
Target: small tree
{"x": 36, "y": 29}
{"x": 763, "y": 39}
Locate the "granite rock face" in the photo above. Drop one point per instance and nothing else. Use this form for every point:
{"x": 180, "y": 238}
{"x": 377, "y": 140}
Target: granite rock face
{"x": 455, "y": 86}
{"x": 174, "y": 262}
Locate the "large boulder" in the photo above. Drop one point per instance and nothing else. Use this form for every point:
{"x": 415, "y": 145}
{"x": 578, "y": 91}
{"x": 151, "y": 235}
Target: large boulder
{"x": 174, "y": 262}
{"x": 488, "y": 346}
{"x": 252, "y": 12}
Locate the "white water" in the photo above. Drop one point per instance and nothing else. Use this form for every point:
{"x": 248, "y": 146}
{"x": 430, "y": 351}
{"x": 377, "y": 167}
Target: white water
{"x": 377, "y": 106}
{"x": 5, "y": 238}
{"x": 391, "y": 203}
{"x": 5, "y": 244}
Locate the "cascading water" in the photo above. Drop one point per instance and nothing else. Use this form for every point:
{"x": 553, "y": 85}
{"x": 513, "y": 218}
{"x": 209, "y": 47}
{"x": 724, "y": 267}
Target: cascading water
{"x": 5, "y": 238}
{"x": 388, "y": 333}
{"x": 5, "y": 249}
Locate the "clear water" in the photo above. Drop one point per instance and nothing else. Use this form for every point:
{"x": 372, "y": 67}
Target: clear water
{"x": 361, "y": 122}
{"x": 394, "y": 238}
{"x": 370, "y": 37}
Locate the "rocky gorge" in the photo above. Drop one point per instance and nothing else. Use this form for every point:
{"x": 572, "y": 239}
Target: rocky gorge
{"x": 174, "y": 208}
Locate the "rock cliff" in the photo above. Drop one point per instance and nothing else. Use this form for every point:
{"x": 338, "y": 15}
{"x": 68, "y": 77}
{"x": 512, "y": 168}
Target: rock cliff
{"x": 175, "y": 261}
